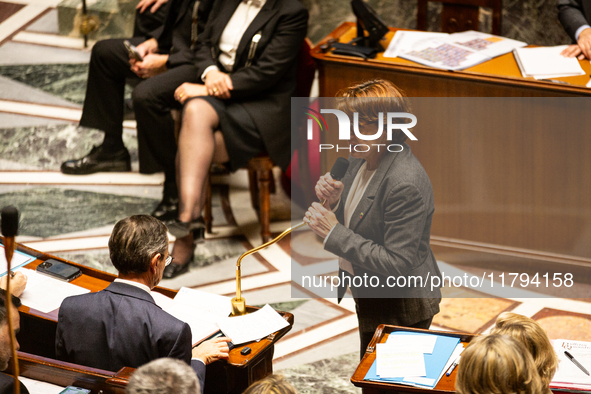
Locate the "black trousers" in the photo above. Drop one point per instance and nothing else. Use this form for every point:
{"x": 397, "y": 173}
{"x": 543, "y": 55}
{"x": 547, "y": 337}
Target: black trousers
{"x": 371, "y": 312}
{"x": 153, "y": 98}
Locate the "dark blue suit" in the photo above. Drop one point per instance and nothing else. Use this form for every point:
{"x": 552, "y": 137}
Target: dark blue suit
{"x": 7, "y": 385}
{"x": 120, "y": 326}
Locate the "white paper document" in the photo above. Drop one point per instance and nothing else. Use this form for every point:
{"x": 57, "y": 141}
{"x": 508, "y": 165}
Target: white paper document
{"x": 486, "y": 44}
{"x": 567, "y": 371}
{"x": 546, "y": 62}
{"x": 406, "y": 40}
{"x": 18, "y": 260}
{"x": 45, "y": 293}
{"x": 441, "y": 53}
{"x": 392, "y": 363}
{"x": 253, "y": 326}
{"x": 199, "y": 309}
{"x": 216, "y": 304}
{"x": 39, "y": 387}
{"x": 420, "y": 343}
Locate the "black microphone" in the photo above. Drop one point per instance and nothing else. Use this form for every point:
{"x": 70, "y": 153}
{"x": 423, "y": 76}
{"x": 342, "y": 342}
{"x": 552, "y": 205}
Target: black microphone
{"x": 9, "y": 222}
{"x": 339, "y": 168}
{"x": 338, "y": 171}
{"x": 9, "y": 226}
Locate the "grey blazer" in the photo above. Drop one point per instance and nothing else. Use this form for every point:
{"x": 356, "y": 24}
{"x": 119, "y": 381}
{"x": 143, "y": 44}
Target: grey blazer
{"x": 389, "y": 233}
{"x": 574, "y": 14}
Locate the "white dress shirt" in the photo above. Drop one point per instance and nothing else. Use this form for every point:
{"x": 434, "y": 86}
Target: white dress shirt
{"x": 358, "y": 188}
{"x": 242, "y": 18}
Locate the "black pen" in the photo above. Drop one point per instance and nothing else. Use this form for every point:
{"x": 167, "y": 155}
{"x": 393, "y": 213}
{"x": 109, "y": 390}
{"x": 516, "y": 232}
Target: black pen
{"x": 574, "y": 360}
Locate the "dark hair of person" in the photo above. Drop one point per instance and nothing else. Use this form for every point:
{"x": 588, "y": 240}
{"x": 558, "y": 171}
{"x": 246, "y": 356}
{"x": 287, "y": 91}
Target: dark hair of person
{"x": 15, "y": 301}
{"x": 371, "y": 98}
{"x": 135, "y": 241}
{"x": 272, "y": 384}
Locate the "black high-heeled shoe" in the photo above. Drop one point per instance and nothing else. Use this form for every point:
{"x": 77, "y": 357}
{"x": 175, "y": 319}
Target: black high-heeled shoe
{"x": 174, "y": 270}
{"x": 182, "y": 229}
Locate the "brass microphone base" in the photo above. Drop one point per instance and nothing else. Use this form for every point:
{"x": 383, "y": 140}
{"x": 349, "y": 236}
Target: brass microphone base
{"x": 238, "y": 306}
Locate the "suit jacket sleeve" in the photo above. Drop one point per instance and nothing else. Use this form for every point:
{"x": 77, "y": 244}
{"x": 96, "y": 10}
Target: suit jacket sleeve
{"x": 182, "y": 348}
{"x": 571, "y": 16}
{"x": 199, "y": 368}
{"x": 270, "y": 65}
{"x": 277, "y": 57}
{"x": 405, "y": 215}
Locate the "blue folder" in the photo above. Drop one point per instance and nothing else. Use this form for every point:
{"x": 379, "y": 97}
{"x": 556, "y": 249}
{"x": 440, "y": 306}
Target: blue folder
{"x": 434, "y": 363}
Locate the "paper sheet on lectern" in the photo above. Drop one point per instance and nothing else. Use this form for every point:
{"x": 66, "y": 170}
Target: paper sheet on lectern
{"x": 254, "y": 326}
{"x": 45, "y": 293}
{"x": 18, "y": 260}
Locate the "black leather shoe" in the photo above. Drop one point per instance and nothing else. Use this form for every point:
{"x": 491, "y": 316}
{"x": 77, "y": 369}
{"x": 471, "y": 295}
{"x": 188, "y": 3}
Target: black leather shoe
{"x": 174, "y": 270}
{"x": 182, "y": 229}
{"x": 98, "y": 161}
{"x": 167, "y": 210}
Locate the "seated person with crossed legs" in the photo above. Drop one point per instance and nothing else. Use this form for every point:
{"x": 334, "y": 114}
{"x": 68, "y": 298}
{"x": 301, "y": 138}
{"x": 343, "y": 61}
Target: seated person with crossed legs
{"x": 168, "y": 61}
{"x": 247, "y": 57}
{"x": 121, "y": 326}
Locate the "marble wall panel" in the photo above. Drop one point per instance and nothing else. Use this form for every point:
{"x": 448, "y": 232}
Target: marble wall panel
{"x": 532, "y": 21}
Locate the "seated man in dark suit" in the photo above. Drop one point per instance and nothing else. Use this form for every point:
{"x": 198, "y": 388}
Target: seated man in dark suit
{"x": 121, "y": 326}
{"x": 575, "y": 15}
{"x": 167, "y": 62}
{"x": 7, "y": 381}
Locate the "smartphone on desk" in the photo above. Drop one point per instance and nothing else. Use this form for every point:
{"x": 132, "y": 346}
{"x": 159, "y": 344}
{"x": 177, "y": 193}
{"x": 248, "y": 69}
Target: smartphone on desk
{"x": 59, "y": 270}
{"x": 74, "y": 390}
{"x": 133, "y": 52}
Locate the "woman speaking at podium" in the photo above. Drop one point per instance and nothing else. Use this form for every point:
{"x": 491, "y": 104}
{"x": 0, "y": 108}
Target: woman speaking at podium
{"x": 379, "y": 220}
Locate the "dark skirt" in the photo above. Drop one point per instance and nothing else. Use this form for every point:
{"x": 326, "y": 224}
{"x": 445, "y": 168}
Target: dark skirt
{"x": 241, "y": 136}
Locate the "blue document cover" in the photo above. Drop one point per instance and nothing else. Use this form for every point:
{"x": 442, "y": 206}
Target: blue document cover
{"x": 434, "y": 363}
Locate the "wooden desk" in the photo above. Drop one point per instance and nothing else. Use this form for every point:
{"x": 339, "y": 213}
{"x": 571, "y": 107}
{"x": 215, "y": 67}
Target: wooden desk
{"x": 445, "y": 385}
{"x": 37, "y": 337}
{"x": 499, "y": 77}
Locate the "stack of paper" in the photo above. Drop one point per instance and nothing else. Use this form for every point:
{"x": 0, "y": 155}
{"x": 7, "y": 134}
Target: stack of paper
{"x": 449, "y": 51}
{"x": 414, "y": 359}
{"x": 208, "y": 313}
{"x": 253, "y": 326}
{"x": 568, "y": 375}
{"x": 200, "y": 310}
{"x": 546, "y": 62}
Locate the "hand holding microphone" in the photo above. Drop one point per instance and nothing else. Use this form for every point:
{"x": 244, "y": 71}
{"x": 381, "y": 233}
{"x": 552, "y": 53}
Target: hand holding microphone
{"x": 328, "y": 189}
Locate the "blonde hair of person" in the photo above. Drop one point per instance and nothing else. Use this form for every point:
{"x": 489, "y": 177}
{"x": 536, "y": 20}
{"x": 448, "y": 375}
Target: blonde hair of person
{"x": 535, "y": 339}
{"x": 370, "y": 98}
{"x": 497, "y": 364}
{"x": 272, "y": 384}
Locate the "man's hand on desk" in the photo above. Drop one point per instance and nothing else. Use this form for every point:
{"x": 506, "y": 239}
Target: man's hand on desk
{"x": 582, "y": 49}
{"x": 18, "y": 283}
{"x": 212, "y": 350}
